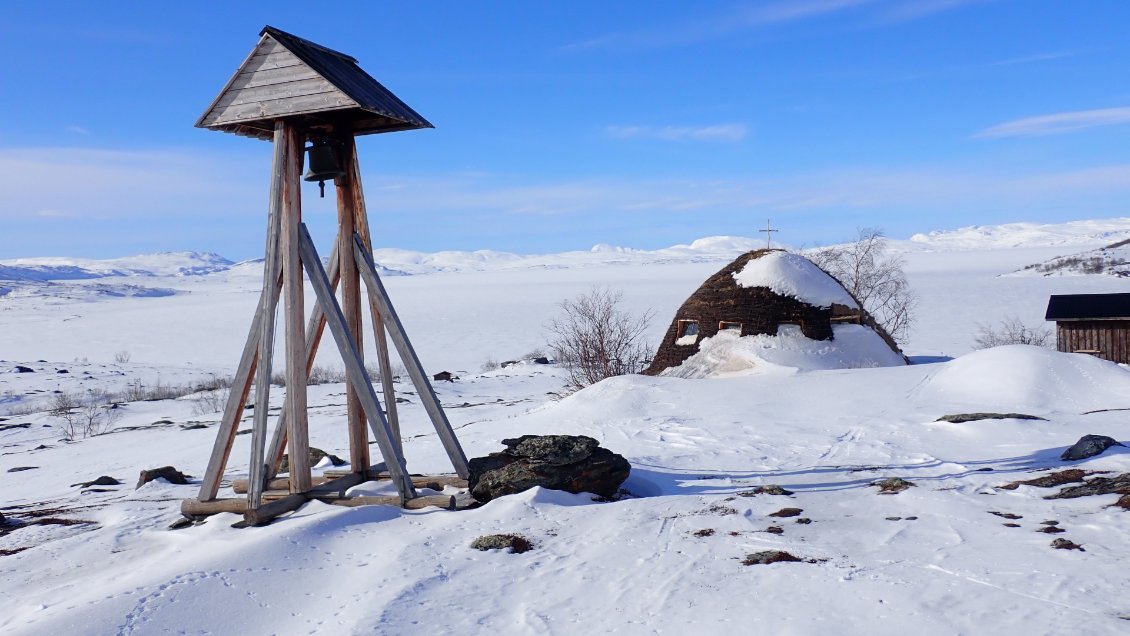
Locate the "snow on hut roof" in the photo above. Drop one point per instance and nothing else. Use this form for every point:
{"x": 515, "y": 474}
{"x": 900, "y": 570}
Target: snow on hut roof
{"x": 796, "y": 277}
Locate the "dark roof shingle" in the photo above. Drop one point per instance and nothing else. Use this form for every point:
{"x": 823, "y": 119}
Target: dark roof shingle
{"x": 1088, "y": 307}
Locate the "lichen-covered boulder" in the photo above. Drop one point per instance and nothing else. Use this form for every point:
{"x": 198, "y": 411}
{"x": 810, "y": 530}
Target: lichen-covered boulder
{"x": 573, "y": 463}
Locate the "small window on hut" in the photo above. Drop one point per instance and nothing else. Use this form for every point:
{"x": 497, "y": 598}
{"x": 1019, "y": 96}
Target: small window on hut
{"x": 730, "y": 326}
{"x": 687, "y": 332}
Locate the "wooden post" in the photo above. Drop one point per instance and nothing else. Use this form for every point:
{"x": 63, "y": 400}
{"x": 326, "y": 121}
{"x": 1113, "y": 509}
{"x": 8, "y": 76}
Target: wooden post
{"x": 385, "y": 366}
{"x": 314, "y": 329}
{"x": 257, "y": 469}
{"x": 298, "y": 437}
{"x": 355, "y": 368}
{"x": 351, "y": 304}
{"x": 427, "y": 395}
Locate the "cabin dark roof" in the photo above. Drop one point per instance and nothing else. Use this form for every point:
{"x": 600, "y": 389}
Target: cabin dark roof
{"x": 377, "y": 109}
{"x": 1088, "y": 307}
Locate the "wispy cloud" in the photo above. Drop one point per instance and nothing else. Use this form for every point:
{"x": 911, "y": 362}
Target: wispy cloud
{"x": 1038, "y": 57}
{"x": 78, "y": 130}
{"x": 759, "y": 15}
{"x": 916, "y": 9}
{"x": 1057, "y": 123}
{"x": 730, "y": 133}
{"x": 718, "y": 25}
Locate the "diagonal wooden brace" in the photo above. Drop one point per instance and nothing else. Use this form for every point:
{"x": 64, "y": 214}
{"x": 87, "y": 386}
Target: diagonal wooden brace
{"x": 354, "y": 367}
{"x": 408, "y": 357}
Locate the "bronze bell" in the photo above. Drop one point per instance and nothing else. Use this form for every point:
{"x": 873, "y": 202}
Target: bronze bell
{"x": 324, "y": 164}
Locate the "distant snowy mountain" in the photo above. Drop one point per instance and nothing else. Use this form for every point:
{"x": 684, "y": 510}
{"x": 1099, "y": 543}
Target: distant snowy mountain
{"x": 19, "y": 273}
{"x": 1072, "y": 233}
{"x": 159, "y": 264}
{"x": 1110, "y": 260}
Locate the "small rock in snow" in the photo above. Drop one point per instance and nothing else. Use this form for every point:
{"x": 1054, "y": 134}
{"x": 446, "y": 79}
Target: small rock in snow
{"x": 786, "y": 512}
{"x": 1064, "y": 544}
{"x": 168, "y": 473}
{"x": 516, "y": 543}
{"x": 766, "y": 557}
{"x": 1089, "y": 446}
{"x": 892, "y": 485}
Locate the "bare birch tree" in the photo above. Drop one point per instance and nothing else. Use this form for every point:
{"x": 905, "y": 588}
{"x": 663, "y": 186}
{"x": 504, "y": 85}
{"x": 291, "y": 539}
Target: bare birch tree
{"x": 595, "y": 338}
{"x": 875, "y": 278}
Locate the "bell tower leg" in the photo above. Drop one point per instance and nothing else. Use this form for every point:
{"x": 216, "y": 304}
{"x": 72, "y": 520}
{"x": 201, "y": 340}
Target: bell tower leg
{"x": 351, "y": 304}
{"x": 298, "y": 436}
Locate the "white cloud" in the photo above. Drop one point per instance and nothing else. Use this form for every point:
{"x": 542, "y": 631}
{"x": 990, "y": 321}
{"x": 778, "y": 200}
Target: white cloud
{"x": 920, "y": 190}
{"x": 78, "y": 130}
{"x": 1058, "y": 123}
{"x": 720, "y": 132}
{"x": 121, "y": 184}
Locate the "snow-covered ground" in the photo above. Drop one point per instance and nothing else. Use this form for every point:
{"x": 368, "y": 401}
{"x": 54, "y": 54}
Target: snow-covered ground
{"x": 929, "y": 560}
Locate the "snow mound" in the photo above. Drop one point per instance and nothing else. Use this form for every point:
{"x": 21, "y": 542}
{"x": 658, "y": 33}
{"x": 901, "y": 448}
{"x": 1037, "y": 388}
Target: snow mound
{"x": 794, "y": 276}
{"x": 727, "y": 354}
{"x": 1024, "y": 375}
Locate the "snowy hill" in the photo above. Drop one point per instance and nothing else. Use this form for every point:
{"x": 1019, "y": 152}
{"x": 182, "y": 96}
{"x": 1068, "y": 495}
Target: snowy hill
{"x": 159, "y": 264}
{"x": 1110, "y": 260}
{"x": 1009, "y": 235}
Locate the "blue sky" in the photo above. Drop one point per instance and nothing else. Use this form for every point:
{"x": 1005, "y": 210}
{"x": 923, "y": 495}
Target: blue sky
{"x": 562, "y": 125}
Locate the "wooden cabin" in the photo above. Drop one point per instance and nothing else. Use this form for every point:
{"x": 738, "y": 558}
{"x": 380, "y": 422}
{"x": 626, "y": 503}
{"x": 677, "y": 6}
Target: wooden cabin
{"x": 1097, "y": 324}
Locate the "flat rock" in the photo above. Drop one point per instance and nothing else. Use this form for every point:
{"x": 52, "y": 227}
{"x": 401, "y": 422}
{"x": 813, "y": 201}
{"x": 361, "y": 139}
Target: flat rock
{"x": 958, "y": 418}
{"x": 1119, "y": 485}
{"x": 101, "y": 481}
{"x": 168, "y": 473}
{"x": 769, "y": 489}
{"x": 20, "y": 469}
{"x": 573, "y": 463}
{"x": 1051, "y": 480}
{"x": 787, "y": 512}
{"x": 765, "y": 557}
{"x": 1089, "y": 446}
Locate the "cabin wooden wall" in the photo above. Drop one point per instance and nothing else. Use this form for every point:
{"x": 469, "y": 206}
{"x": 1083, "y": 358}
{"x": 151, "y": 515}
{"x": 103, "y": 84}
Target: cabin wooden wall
{"x": 273, "y": 82}
{"x": 1109, "y": 338}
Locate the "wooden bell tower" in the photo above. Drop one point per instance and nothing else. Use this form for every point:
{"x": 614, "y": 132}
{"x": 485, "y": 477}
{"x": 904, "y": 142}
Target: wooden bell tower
{"x": 290, "y": 91}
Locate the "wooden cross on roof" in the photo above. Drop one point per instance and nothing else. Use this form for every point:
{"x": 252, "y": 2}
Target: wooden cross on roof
{"x": 768, "y": 234}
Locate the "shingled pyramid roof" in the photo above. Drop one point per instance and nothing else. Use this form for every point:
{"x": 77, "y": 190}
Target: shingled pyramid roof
{"x": 288, "y": 76}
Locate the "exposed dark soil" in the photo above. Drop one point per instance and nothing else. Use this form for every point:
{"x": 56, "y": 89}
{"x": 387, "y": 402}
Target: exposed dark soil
{"x": 705, "y": 532}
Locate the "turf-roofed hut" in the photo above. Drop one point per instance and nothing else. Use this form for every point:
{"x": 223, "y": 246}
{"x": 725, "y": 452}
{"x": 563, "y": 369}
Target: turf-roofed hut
{"x": 758, "y": 293}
